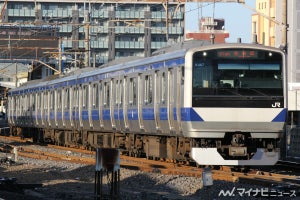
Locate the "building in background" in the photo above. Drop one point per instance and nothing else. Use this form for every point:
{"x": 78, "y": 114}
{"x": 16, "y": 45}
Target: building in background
{"x": 207, "y": 27}
{"x": 267, "y": 22}
{"x": 103, "y": 30}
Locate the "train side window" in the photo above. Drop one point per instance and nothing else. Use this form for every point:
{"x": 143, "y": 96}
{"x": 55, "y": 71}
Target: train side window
{"x": 59, "y": 102}
{"x": 132, "y": 91}
{"x": 119, "y": 92}
{"x": 163, "y": 88}
{"x": 148, "y": 89}
{"x": 85, "y": 96}
{"x": 106, "y": 94}
{"x": 182, "y": 75}
{"x": 95, "y": 95}
{"x": 66, "y": 98}
{"x": 38, "y": 106}
{"x": 52, "y": 100}
{"x": 100, "y": 93}
{"x": 32, "y": 102}
{"x": 75, "y": 97}
{"x": 116, "y": 93}
{"x": 27, "y": 102}
{"x": 45, "y": 100}
{"x": 40, "y": 101}
{"x": 171, "y": 85}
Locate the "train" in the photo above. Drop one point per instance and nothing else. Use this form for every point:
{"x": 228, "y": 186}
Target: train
{"x": 211, "y": 104}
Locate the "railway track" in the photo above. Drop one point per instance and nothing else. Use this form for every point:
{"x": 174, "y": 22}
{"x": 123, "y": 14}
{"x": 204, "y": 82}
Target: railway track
{"x": 66, "y": 154}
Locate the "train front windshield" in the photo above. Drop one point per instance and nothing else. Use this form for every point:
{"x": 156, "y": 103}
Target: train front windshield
{"x": 237, "y": 78}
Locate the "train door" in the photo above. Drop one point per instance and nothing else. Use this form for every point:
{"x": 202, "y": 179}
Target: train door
{"x": 162, "y": 101}
{"x": 107, "y": 111}
{"x": 84, "y": 105}
{"x": 51, "y": 108}
{"x": 57, "y": 107}
{"x": 40, "y": 111}
{"x": 80, "y": 93}
{"x": 11, "y": 110}
{"x": 156, "y": 91}
{"x": 168, "y": 99}
{"x": 124, "y": 122}
{"x": 118, "y": 112}
{"x": 112, "y": 100}
{"x": 46, "y": 108}
{"x": 90, "y": 104}
{"x": 132, "y": 111}
{"x": 147, "y": 95}
{"x": 71, "y": 106}
{"x": 100, "y": 103}
{"x": 93, "y": 89}
{"x": 175, "y": 98}
{"x": 65, "y": 106}
{"x": 32, "y": 108}
{"x": 75, "y": 109}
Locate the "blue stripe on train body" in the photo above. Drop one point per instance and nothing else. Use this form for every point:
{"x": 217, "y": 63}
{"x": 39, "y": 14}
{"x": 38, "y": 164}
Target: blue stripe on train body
{"x": 187, "y": 114}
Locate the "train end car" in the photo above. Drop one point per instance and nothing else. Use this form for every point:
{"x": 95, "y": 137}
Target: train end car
{"x": 236, "y": 104}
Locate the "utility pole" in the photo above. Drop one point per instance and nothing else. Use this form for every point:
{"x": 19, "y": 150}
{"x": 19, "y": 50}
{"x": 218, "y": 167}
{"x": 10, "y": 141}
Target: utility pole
{"x": 87, "y": 37}
{"x": 59, "y": 54}
{"x": 16, "y": 81}
{"x": 284, "y": 21}
{"x": 166, "y": 5}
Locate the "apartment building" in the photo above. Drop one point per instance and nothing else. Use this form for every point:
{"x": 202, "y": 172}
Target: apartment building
{"x": 102, "y": 30}
{"x": 267, "y": 22}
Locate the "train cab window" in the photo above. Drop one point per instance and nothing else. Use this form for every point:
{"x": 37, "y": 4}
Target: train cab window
{"x": 148, "y": 89}
{"x": 132, "y": 91}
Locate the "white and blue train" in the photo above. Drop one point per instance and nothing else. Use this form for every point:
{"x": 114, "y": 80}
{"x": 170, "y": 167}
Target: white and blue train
{"x": 220, "y": 104}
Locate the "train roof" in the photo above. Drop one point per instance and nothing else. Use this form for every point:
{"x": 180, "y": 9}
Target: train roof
{"x": 127, "y": 65}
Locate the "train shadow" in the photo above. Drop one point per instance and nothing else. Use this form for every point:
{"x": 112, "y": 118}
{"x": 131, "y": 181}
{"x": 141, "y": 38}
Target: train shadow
{"x": 64, "y": 183}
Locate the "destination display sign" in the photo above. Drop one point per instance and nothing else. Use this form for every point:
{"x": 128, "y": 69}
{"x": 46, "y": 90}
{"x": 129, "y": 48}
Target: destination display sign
{"x": 237, "y": 54}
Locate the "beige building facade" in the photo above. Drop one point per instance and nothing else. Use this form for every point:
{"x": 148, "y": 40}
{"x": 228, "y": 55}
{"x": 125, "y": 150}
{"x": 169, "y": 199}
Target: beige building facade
{"x": 263, "y": 26}
{"x": 269, "y": 22}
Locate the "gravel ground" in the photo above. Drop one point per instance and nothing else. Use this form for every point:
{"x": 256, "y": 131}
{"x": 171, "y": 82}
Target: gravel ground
{"x": 69, "y": 181}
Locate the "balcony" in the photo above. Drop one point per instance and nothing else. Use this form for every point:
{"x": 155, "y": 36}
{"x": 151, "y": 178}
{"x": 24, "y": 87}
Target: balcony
{"x": 130, "y": 14}
{"x": 129, "y": 45}
{"x": 21, "y": 13}
{"x": 124, "y": 29}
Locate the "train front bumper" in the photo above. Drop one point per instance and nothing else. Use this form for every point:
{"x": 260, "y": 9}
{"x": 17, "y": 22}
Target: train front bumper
{"x": 210, "y": 156}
